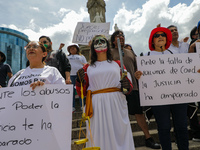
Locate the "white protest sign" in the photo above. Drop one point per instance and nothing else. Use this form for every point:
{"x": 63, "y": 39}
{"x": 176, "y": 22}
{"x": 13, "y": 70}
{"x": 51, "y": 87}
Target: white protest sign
{"x": 36, "y": 120}
{"x": 169, "y": 79}
{"x": 85, "y": 31}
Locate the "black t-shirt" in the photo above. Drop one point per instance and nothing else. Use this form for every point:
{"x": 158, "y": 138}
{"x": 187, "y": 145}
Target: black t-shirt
{"x": 4, "y": 70}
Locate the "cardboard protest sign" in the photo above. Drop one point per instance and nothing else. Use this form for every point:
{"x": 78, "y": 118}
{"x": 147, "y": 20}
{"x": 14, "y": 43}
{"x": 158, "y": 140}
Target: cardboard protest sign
{"x": 39, "y": 119}
{"x": 169, "y": 79}
{"x": 85, "y": 31}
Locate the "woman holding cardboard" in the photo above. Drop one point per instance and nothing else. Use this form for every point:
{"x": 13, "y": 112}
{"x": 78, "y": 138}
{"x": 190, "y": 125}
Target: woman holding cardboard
{"x": 37, "y": 73}
{"x": 159, "y": 42}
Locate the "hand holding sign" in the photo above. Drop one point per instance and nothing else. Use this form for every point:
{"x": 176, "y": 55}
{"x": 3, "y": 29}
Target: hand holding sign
{"x": 37, "y": 83}
{"x": 138, "y": 74}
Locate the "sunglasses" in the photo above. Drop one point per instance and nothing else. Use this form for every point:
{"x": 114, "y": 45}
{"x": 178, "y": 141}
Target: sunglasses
{"x": 158, "y": 35}
{"x": 44, "y": 42}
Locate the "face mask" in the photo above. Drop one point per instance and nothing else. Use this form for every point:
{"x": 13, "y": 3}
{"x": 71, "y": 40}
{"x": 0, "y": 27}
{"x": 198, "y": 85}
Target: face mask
{"x": 100, "y": 45}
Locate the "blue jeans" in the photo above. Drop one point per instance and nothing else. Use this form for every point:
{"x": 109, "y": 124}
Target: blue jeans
{"x": 179, "y": 117}
{"x": 73, "y": 79}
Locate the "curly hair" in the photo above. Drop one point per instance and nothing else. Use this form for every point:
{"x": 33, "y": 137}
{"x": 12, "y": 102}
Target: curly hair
{"x": 94, "y": 54}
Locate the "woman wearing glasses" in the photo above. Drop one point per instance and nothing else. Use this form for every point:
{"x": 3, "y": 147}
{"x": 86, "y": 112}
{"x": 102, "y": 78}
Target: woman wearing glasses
{"x": 110, "y": 126}
{"x": 37, "y": 73}
{"x": 159, "y": 42}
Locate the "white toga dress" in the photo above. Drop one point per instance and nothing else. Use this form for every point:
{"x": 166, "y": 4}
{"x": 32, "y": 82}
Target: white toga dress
{"x": 110, "y": 123}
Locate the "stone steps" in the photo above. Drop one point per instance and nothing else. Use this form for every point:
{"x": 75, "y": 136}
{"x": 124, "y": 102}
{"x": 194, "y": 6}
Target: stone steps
{"x": 138, "y": 135}
{"x": 77, "y": 118}
{"x": 139, "y": 144}
{"x": 192, "y": 146}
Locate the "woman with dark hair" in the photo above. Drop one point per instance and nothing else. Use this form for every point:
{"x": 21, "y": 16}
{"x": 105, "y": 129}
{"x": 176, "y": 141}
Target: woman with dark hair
{"x": 95, "y": 52}
{"x": 37, "y": 73}
{"x": 159, "y": 42}
{"x": 106, "y": 105}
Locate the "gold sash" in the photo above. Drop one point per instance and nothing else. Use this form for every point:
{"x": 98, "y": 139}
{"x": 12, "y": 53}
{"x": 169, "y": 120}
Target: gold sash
{"x": 88, "y": 108}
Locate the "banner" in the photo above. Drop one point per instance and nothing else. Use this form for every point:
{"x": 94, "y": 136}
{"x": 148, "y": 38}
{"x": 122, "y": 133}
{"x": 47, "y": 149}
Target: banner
{"x": 36, "y": 120}
{"x": 85, "y": 31}
{"x": 169, "y": 79}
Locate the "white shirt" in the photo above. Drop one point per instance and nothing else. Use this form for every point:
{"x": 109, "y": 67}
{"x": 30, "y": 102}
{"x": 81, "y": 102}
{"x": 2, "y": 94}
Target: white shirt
{"x": 183, "y": 47}
{"x": 76, "y": 62}
{"x": 159, "y": 53}
{"x": 48, "y": 75}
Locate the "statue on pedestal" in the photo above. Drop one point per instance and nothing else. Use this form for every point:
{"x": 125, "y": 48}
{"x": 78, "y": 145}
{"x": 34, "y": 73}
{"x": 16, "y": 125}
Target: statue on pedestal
{"x": 98, "y": 18}
{"x": 116, "y": 27}
{"x": 96, "y": 9}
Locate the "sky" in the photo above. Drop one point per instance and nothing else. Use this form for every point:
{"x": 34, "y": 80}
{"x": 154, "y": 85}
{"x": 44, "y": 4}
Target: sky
{"x": 58, "y": 18}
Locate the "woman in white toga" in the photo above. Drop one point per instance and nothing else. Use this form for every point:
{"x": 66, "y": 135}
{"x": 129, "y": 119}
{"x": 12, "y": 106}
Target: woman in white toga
{"x": 110, "y": 125}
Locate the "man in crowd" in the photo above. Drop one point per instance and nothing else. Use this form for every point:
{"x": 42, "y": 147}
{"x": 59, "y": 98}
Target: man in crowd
{"x": 182, "y": 47}
{"x": 57, "y": 58}
{"x": 177, "y": 46}
{"x": 133, "y": 100}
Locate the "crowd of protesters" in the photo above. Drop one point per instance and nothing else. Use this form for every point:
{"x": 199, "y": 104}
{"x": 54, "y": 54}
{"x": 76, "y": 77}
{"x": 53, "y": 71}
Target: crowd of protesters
{"x": 110, "y": 95}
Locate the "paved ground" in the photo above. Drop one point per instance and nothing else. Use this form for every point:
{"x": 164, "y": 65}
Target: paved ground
{"x": 192, "y": 146}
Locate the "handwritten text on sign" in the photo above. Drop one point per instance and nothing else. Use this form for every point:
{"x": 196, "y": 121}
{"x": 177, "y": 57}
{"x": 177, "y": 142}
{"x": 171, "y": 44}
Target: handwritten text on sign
{"x": 39, "y": 119}
{"x": 85, "y": 31}
{"x": 169, "y": 79}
